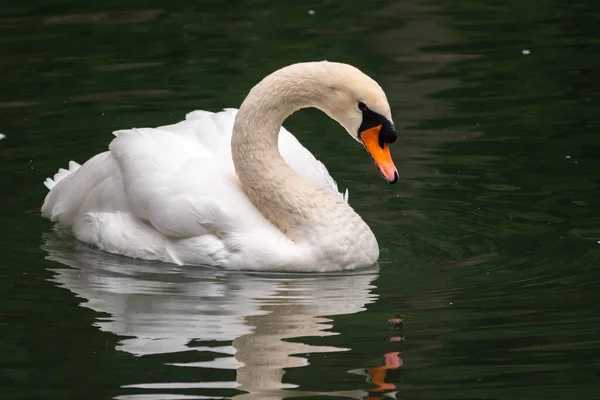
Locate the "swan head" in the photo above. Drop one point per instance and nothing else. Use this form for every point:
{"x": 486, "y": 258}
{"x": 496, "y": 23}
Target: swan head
{"x": 359, "y": 104}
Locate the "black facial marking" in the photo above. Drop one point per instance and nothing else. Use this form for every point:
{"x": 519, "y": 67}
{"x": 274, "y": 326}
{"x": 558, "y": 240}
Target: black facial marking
{"x": 372, "y": 119}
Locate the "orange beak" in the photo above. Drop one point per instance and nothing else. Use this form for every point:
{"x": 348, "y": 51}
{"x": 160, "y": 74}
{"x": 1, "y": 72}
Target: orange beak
{"x": 380, "y": 152}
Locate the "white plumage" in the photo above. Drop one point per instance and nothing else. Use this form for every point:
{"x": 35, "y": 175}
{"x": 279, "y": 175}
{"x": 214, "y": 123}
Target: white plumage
{"x": 161, "y": 194}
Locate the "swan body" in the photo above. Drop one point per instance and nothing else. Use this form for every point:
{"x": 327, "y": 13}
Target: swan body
{"x": 231, "y": 189}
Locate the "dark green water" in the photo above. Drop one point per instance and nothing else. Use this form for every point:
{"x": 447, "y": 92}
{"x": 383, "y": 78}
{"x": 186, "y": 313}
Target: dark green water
{"x": 491, "y": 239}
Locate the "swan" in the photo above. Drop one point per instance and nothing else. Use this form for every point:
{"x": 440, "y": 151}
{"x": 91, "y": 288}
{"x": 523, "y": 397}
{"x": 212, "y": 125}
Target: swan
{"x": 233, "y": 189}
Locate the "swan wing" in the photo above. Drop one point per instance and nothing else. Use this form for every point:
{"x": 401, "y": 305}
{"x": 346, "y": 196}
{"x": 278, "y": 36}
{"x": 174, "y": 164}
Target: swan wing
{"x": 181, "y": 177}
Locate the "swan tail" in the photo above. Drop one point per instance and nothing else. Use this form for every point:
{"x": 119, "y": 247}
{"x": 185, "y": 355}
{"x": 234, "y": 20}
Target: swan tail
{"x": 61, "y": 174}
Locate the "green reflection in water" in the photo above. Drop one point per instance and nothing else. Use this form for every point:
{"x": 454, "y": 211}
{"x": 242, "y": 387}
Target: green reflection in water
{"x": 489, "y": 240}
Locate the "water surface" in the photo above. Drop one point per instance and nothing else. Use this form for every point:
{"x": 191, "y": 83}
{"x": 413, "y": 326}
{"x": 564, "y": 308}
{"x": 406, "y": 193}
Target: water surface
{"x": 490, "y": 241}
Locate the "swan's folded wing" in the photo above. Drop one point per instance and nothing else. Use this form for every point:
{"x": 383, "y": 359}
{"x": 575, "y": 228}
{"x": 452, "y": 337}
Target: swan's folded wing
{"x": 185, "y": 215}
{"x": 174, "y": 180}
{"x": 152, "y": 162}
{"x": 194, "y": 154}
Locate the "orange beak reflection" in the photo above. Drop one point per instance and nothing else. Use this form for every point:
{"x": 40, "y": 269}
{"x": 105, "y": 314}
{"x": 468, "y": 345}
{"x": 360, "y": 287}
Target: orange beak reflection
{"x": 380, "y": 152}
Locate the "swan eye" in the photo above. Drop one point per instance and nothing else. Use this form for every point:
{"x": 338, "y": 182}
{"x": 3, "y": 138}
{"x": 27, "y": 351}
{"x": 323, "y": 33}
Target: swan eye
{"x": 362, "y": 106}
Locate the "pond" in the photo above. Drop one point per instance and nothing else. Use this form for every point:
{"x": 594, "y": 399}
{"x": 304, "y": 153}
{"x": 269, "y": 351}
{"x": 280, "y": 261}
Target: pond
{"x": 490, "y": 242}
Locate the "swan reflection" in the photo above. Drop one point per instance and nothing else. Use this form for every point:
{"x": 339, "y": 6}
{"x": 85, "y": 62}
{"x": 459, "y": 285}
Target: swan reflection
{"x": 243, "y": 320}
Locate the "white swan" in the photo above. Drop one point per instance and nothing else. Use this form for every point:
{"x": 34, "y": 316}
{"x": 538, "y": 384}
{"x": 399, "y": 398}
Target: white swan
{"x": 233, "y": 189}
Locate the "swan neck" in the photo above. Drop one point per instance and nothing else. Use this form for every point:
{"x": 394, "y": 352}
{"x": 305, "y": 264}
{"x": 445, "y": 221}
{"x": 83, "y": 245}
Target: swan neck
{"x": 280, "y": 195}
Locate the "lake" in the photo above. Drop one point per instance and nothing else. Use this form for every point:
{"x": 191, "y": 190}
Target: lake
{"x": 488, "y": 281}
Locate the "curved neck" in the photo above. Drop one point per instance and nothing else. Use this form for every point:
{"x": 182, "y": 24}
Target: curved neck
{"x": 283, "y": 197}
